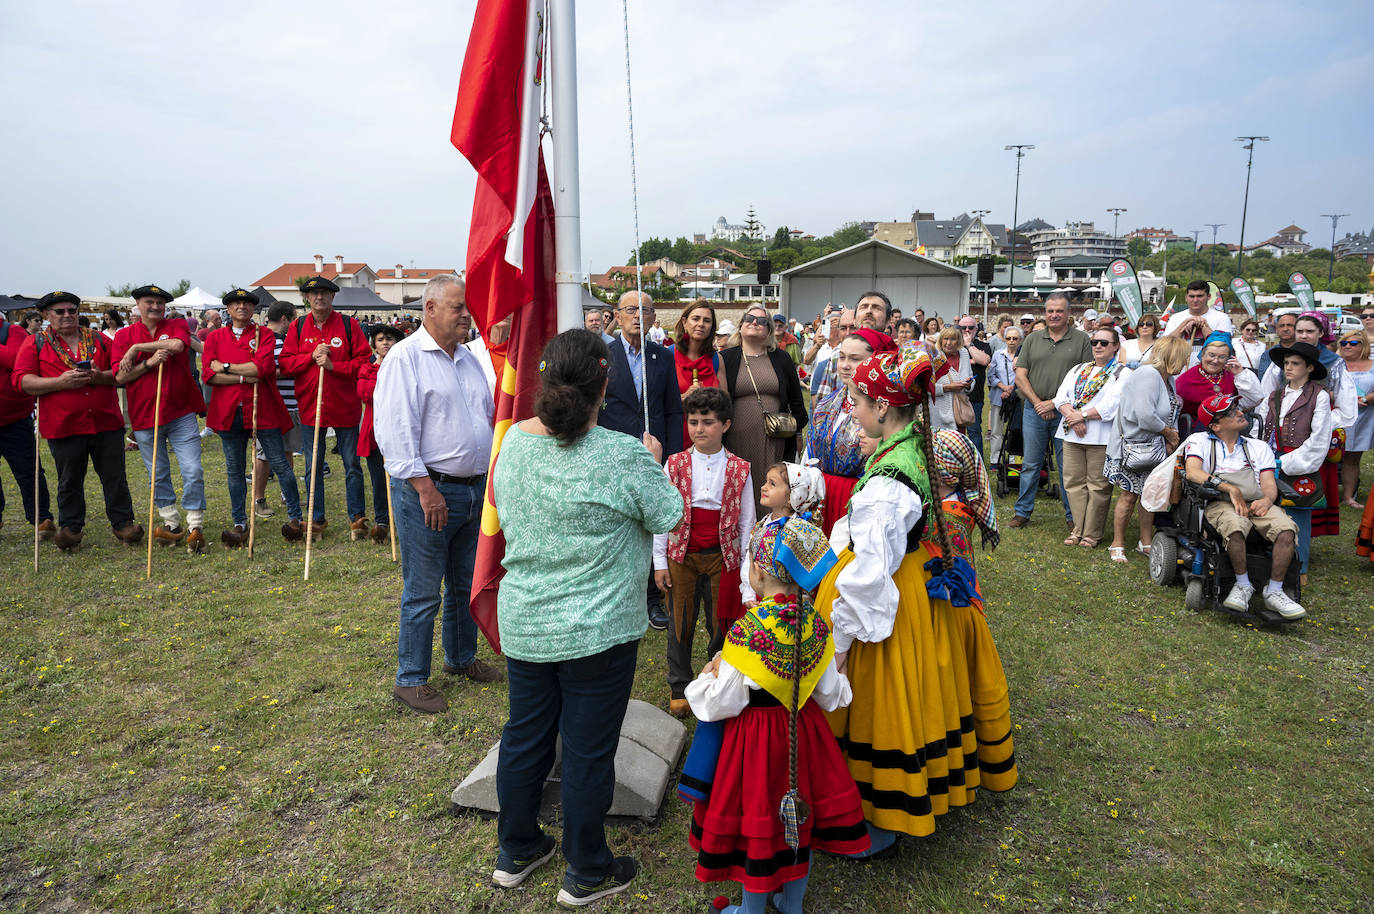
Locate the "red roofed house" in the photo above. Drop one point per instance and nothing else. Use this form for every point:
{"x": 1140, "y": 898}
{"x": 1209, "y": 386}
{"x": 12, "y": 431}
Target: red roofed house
{"x": 1287, "y": 241}
{"x": 281, "y": 282}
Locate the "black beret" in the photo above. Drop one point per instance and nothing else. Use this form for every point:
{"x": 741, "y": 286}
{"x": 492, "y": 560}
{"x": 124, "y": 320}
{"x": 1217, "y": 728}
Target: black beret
{"x": 234, "y": 295}
{"x": 318, "y": 284}
{"x": 151, "y": 291}
{"x": 57, "y": 298}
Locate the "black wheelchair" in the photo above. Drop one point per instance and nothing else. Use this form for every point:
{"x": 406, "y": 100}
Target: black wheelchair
{"x": 1187, "y": 548}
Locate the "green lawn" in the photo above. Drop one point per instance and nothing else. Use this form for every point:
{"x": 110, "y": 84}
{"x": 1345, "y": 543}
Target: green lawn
{"x": 222, "y": 738}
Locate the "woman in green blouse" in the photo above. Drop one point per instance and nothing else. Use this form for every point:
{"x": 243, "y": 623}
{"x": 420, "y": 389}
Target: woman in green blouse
{"x": 579, "y": 506}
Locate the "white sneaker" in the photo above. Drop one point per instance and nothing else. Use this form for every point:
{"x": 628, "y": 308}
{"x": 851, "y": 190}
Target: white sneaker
{"x": 1283, "y": 604}
{"x": 1239, "y": 597}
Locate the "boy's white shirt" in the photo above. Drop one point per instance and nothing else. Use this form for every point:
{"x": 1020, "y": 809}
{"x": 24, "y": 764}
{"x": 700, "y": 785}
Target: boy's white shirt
{"x": 708, "y": 491}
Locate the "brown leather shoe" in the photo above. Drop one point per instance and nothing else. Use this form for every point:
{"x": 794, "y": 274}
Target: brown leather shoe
{"x": 422, "y": 699}
{"x": 233, "y": 538}
{"x": 477, "y": 671}
{"x": 380, "y": 533}
{"x": 1019, "y": 521}
{"x": 317, "y": 530}
{"x": 195, "y": 543}
{"x": 169, "y": 536}
{"x": 358, "y": 528}
{"x": 130, "y": 534}
{"x": 293, "y": 531}
{"x": 46, "y": 529}
{"x": 678, "y": 707}
{"x": 68, "y": 539}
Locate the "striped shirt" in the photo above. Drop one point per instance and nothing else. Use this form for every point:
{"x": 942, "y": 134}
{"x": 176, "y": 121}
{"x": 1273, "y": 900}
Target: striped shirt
{"x": 286, "y": 385}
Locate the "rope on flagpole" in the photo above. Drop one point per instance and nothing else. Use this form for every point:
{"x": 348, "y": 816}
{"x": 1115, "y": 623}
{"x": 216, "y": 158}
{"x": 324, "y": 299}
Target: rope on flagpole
{"x": 634, "y": 196}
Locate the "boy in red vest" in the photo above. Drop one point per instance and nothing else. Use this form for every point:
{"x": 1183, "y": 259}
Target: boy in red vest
{"x": 717, "y": 491}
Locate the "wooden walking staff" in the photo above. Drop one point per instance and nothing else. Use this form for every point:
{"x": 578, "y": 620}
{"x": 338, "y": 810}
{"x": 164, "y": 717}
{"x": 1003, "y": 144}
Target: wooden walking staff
{"x": 253, "y": 450}
{"x": 314, "y": 462}
{"x": 152, "y": 474}
{"x": 38, "y": 468}
{"x": 390, "y": 516}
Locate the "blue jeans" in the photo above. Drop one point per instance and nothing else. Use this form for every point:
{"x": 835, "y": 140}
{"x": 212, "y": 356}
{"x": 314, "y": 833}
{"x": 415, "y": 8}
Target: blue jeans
{"x": 376, "y": 471}
{"x": 1303, "y": 541}
{"x": 182, "y": 436}
{"x": 583, "y": 701}
{"x": 430, "y": 558}
{"x": 1036, "y": 433}
{"x": 347, "y": 439}
{"x": 974, "y": 432}
{"x": 18, "y": 447}
{"x": 235, "y": 444}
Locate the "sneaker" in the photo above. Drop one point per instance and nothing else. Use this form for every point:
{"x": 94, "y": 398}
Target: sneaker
{"x": 1283, "y": 604}
{"x": 511, "y": 871}
{"x": 169, "y": 536}
{"x": 658, "y": 619}
{"x": 575, "y": 894}
{"x": 477, "y": 671}
{"x": 1239, "y": 597}
{"x": 261, "y": 508}
{"x": 422, "y": 699}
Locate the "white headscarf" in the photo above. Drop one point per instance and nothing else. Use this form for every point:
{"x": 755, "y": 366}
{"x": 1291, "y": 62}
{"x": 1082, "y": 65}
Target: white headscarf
{"x": 807, "y": 488}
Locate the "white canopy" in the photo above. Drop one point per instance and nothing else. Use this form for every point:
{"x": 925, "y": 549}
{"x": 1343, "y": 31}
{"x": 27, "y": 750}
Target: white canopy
{"x": 196, "y": 299}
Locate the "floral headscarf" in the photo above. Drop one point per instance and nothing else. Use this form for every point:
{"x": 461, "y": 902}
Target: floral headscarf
{"x": 793, "y": 550}
{"x": 895, "y": 379}
{"x": 1324, "y": 322}
{"x": 958, "y": 464}
{"x": 806, "y": 488}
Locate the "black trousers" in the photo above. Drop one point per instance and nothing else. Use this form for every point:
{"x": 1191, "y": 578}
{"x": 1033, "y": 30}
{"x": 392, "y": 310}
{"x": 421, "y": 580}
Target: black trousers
{"x": 18, "y": 448}
{"x": 105, "y": 451}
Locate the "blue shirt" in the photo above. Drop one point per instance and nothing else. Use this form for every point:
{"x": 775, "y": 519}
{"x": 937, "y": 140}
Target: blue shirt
{"x": 636, "y": 360}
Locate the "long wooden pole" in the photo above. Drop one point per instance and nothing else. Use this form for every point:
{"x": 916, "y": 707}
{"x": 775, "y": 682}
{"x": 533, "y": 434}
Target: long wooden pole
{"x": 314, "y": 462}
{"x": 152, "y": 473}
{"x": 38, "y": 468}
{"x": 253, "y": 451}
{"x": 391, "y": 516}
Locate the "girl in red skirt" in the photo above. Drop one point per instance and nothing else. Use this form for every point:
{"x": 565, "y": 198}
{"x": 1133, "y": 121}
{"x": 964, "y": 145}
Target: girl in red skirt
{"x": 780, "y": 788}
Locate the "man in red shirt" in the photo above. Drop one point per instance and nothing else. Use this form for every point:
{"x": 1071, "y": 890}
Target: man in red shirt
{"x": 137, "y": 350}
{"x": 16, "y": 433}
{"x": 67, "y": 367}
{"x": 337, "y": 343}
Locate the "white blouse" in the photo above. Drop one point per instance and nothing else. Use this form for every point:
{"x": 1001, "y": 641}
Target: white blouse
{"x": 1105, "y": 401}
{"x": 880, "y": 516}
{"x": 1308, "y": 456}
{"x": 724, "y": 694}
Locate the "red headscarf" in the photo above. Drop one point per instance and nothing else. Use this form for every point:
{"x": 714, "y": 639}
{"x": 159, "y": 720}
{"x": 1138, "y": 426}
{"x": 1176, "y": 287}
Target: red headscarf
{"x": 879, "y": 342}
{"x": 893, "y": 380}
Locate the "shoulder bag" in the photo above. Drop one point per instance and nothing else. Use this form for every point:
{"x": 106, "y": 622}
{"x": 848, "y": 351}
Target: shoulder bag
{"x": 775, "y": 425}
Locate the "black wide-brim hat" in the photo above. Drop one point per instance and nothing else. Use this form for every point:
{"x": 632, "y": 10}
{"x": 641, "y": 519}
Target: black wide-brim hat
{"x": 318, "y": 284}
{"x": 1305, "y": 351}
{"x": 57, "y": 298}
{"x": 234, "y": 295}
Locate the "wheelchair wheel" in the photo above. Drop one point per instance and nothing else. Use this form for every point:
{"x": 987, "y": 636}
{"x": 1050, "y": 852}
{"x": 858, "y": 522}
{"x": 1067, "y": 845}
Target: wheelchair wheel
{"x": 1163, "y": 560}
{"x": 1002, "y": 487}
{"x": 1193, "y": 598}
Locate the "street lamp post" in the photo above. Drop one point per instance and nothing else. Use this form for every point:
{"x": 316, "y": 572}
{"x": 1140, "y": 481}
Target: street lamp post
{"x": 1249, "y": 142}
{"x": 979, "y": 214}
{"x": 1211, "y": 271}
{"x": 1331, "y": 269}
{"x": 1116, "y": 212}
{"x": 1015, "y": 204}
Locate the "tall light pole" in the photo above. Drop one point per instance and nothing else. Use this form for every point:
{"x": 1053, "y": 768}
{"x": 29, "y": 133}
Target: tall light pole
{"x": 1211, "y": 271}
{"x": 1116, "y": 212}
{"x": 1249, "y": 142}
{"x": 1330, "y": 270}
{"x": 1015, "y": 204}
{"x": 1196, "y": 232}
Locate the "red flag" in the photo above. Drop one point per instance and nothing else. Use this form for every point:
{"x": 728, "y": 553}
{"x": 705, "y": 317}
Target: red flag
{"x": 510, "y": 260}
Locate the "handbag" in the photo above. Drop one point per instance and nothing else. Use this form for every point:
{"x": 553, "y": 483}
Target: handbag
{"x": 963, "y": 409}
{"x": 1142, "y": 456}
{"x": 775, "y": 425}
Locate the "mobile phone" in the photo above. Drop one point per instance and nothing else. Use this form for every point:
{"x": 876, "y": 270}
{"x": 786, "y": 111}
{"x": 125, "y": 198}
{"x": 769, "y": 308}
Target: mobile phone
{"x": 84, "y": 365}
{"x": 825, "y": 327}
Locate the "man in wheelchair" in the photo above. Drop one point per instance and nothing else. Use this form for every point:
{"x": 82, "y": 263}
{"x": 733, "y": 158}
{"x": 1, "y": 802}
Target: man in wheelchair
{"x": 1238, "y": 473}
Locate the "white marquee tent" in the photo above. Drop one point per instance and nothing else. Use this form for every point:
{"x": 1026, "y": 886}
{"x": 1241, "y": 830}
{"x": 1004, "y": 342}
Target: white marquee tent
{"x": 909, "y": 280}
{"x": 195, "y": 299}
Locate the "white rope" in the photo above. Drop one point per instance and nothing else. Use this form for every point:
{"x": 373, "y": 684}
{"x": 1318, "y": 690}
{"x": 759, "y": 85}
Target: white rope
{"x": 634, "y": 196}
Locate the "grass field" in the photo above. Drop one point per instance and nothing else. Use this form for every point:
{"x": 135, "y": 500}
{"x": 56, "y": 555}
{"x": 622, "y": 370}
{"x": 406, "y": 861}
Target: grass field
{"x": 222, "y": 738}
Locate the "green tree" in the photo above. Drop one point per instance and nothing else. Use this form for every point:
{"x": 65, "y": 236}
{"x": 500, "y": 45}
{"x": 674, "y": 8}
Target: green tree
{"x": 783, "y": 259}
{"x": 181, "y": 288}
{"x": 683, "y": 251}
{"x": 123, "y": 291}
{"x": 847, "y": 235}
{"x": 751, "y": 224}
{"x": 782, "y": 237}
{"x": 1137, "y": 250}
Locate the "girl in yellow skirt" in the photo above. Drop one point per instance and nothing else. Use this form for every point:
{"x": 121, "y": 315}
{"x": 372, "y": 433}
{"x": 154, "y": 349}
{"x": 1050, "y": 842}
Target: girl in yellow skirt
{"x": 913, "y": 737}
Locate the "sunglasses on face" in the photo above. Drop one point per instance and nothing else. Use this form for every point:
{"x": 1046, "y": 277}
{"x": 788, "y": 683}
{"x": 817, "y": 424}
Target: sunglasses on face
{"x": 1367, "y": 317}
{"x": 753, "y": 319}
{"x": 59, "y": 312}
{"x": 1103, "y": 342}
{"x": 1351, "y": 343}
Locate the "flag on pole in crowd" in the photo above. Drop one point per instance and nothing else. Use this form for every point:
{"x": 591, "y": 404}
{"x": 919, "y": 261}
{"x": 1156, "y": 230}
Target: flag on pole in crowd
{"x": 1302, "y": 288}
{"x": 1214, "y": 296}
{"x": 510, "y": 265}
{"x": 1126, "y": 288}
{"x": 1244, "y": 294}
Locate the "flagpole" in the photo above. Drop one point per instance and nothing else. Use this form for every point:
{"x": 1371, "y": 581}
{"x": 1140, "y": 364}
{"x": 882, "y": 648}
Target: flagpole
{"x": 567, "y": 204}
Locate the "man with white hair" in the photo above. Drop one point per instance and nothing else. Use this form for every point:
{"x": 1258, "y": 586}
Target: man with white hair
{"x": 433, "y": 419}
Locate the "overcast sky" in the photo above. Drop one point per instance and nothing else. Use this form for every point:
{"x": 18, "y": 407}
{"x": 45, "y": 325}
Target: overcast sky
{"x": 147, "y": 141}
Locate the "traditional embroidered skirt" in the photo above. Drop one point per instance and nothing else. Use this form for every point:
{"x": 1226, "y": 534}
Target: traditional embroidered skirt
{"x": 929, "y": 710}
{"x": 838, "y": 489}
{"x": 737, "y": 833}
{"x": 1364, "y": 544}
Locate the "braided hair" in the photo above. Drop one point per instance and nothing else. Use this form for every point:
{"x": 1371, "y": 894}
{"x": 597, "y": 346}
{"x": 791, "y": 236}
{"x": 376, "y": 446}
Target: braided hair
{"x": 927, "y": 443}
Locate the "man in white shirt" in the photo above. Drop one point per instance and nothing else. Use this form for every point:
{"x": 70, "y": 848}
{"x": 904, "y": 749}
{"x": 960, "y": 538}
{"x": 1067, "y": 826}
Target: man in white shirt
{"x": 1200, "y": 320}
{"x": 434, "y": 425}
{"x": 1242, "y": 469}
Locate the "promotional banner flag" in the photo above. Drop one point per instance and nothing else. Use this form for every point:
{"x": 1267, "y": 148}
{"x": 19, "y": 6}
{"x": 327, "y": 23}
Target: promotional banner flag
{"x": 1244, "y": 294}
{"x": 1214, "y": 296}
{"x": 1307, "y": 299}
{"x": 1126, "y": 288}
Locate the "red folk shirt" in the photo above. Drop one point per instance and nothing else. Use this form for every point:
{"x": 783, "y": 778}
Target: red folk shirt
{"x": 367, "y": 386}
{"x": 14, "y": 403}
{"x": 180, "y": 393}
{"x": 83, "y": 411}
{"x": 349, "y": 353}
{"x": 257, "y": 345}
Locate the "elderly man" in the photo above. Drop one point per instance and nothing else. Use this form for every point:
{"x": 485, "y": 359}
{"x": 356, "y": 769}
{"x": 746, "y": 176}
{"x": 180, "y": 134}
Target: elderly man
{"x": 433, "y": 423}
{"x": 1045, "y": 359}
{"x": 980, "y": 356}
{"x": 137, "y": 351}
{"x": 1286, "y": 334}
{"x": 67, "y": 367}
{"x": 785, "y": 338}
{"x": 595, "y": 321}
{"x": 324, "y": 339}
{"x": 17, "y": 446}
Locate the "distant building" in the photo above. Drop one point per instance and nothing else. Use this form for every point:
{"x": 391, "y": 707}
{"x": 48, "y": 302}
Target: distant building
{"x": 281, "y": 282}
{"x": 943, "y": 239}
{"x": 1074, "y": 239}
{"x": 403, "y": 285}
{"x": 724, "y": 231}
{"x": 1358, "y": 245}
{"x": 1158, "y": 237}
{"x": 1288, "y": 241}
{"x": 746, "y": 287}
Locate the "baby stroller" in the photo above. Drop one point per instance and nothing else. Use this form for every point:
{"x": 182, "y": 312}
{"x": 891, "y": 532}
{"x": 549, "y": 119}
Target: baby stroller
{"x": 1010, "y": 457}
{"x": 1186, "y": 546}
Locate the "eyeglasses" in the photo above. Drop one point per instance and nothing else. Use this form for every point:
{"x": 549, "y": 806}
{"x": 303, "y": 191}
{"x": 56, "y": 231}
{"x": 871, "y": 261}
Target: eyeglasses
{"x": 968, "y": 326}
{"x": 753, "y": 319}
{"x": 61, "y": 311}
{"x": 648, "y": 309}
{"x": 1350, "y": 343}
{"x": 1103, "y": 342}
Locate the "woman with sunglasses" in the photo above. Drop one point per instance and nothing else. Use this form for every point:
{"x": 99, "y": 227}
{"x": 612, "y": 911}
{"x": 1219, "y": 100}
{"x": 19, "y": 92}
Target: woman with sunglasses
{"x": 1087, "y": 399}
{"x": 1249, "y": 348}
{"x": 1354, "y": 348}
{"x": 1135, "y": 351}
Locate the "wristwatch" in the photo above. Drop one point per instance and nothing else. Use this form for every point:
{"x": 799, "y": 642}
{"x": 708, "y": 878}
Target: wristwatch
{"x": 1214, "y": 482}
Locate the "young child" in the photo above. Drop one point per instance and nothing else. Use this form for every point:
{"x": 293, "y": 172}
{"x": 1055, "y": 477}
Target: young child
{"x": 382, "y": 337}
{"x": 779, "y": 787}
{"x": 961, "y": 483}
{"x": 706, "y": 550}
